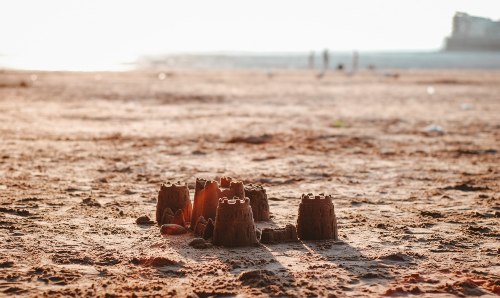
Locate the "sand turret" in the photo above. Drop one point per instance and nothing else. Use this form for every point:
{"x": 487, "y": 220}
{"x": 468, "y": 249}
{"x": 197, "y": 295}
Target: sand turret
{"x": 234, "y": 224}
{"x": 198, "y": 201}
{"x": 209, "y": 229}
{"x": 225, "y": 181}
{"x": 199, "y": 226}
{"x": 316, "y": 219}
{"x": 211, "y": 195}
{"x": 204, "y": 228}
{"x": 205, "y": 201}
{"x": 231, "y": 188}
{"x": 258, "y": 201}
{"x": 174, "y": 197}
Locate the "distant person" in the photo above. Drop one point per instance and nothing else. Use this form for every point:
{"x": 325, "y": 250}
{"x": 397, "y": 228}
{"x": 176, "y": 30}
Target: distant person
{"x": 340, "y": 67}
{"x": 355, "y": 60}
{"x": 311, "y": 60}
{"x": 326, "y": 60}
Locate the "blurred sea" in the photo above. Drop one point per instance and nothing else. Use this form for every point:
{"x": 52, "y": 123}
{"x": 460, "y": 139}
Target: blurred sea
{"x": 378, "y": 60}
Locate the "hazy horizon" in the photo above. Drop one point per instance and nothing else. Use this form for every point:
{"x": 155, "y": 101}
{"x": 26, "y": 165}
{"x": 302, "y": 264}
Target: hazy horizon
{"x": 59, "y": 34}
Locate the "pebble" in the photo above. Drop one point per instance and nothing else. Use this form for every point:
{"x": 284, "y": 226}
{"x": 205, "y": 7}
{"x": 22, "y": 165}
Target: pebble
{"x": 199, "y": 243}
{"x": 144, "y": 220}
{"x": 172, "y": 229}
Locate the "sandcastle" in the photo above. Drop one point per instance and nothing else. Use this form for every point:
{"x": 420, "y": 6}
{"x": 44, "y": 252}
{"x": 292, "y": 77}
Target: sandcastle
{"x": 173, "y": 204}
{"x": 226, "y": 214}
{"x": 316, "y": 219}
{"x": 279, "y": 235}
{"x": 208, "y": 193}
{"x": 234, "y": 224}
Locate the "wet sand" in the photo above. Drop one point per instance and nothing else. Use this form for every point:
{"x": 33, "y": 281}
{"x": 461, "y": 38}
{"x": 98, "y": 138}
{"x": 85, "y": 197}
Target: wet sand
{"x": 411, "y": 161}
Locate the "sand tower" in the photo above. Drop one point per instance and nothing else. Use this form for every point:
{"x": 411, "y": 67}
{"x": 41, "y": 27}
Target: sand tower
{"x": 225, "y": 181}
{"x": 198, "y": 201}
{"x": 231, "y": 188}
{"x": 316, "y": 218}
{"x": 205, "y": 201}
{"x": 204, "y": 228}
{"x": 172, "y": 198}
{"x": 234, "y": 225}
{"x": 258, "y": 200}
{"x": 200, "y": 226}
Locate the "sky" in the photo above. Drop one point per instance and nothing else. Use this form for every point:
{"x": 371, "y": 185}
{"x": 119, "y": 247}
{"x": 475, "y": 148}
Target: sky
{"x": 93, "y": 34}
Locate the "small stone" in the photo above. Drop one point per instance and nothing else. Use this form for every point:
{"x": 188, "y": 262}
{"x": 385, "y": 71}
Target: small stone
{"x": 199, "y": 243}
{"x": 6, "y": 264}
{"x": 172, "y": 229}
{"x": 144, "y": 220}
{"x": 396, "y": 257}
{"x": 154, "y": 261}
{"x": 91, "y": 202}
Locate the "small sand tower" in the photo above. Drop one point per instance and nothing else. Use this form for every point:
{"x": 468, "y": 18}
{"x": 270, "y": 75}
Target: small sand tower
{"x": 234, "y": 225}
{"x": 316, "y": 218}
{"x": 171, "y": 199}
{"x": 231, "y": 188}
{"x": 258, "y": 201}
{"x": 206, "y": 201}
{"x": 198, "y": 201}
{"x": 200, "y": 226}
{"x": 225, "y": 181}
{"x": 204, "y": 228}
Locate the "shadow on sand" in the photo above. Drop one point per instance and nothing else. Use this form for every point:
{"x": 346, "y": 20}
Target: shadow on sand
{"x": 349, "y": 258}
{"x": 223, "y": 271}
{"x": 287, "y": 269}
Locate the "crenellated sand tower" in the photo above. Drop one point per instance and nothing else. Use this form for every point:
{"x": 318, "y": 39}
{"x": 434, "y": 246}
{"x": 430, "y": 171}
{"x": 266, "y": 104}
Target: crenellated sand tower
{"x": 316, "y": 219}
{"x": 258, "y": 200}
{"x": 231, "y": 188}
{"x": 234, "y": 224}
{"x": 171, "y": 199}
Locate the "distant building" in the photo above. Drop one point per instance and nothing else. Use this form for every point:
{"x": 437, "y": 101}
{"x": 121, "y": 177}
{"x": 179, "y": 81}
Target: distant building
{"x": 471, "y": 33}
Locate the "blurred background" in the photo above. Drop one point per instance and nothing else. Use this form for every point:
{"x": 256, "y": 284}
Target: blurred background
{"x": 123, "y": 35}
